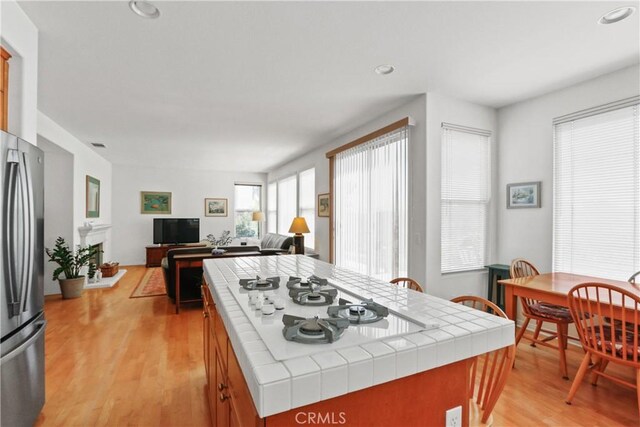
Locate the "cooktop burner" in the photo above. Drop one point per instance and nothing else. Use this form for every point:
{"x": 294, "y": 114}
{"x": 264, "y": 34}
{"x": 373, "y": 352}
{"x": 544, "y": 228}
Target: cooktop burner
{"x": 313, "y": 330}
{"x": 260, "y": 284}
{"x": 305, "y": 283}
{"x": 313, "y": 294}
{"x": 365, "y": 312}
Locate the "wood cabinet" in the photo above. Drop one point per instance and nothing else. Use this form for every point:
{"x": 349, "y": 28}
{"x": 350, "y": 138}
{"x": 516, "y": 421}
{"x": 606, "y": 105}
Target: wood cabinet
{"x": 156, "y": 253}
{"x": 4, "y": 89}
{"x": 230, "y": 402}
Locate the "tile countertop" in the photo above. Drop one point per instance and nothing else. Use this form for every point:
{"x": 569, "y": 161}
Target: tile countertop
{"x": 280, "y": 386}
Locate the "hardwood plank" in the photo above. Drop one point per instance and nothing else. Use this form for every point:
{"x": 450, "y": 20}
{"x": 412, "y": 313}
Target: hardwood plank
{"x": 111, "y": 360}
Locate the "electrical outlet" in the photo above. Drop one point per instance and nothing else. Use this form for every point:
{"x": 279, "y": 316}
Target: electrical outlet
{"x": 454, "y": 417}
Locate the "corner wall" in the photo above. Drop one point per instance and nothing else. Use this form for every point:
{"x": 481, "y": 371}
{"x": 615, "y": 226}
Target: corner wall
{"x": 416, "y": 109}
{"x": 85, "y": 162}
{"x": 526, "y": 154}
{"x": 440, "y": 109}
{"x": 188, "y": 188}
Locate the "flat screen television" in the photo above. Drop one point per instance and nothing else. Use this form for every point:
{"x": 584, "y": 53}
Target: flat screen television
{"x": 176, "y": 230}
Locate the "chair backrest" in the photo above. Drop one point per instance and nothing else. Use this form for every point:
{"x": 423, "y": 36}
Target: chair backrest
{"x": 408, "y": 283}
{"x": 488, "y": 373}
{"x": 604, "y": 327}
{"x": 522, "y": 268}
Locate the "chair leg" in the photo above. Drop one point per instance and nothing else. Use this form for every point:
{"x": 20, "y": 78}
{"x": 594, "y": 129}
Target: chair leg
{"x": 563, "y": 358}
{"x": 522, "y": 331}
{"x": 638, "y": 388}
{"x": 579, "y": 376}
{"x": 565, "y": 333}
{"x": 537, "y": 332}
{"x": 600, "y": 366}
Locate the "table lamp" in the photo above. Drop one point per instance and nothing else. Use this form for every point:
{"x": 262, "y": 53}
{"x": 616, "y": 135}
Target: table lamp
{"x": 299, "y": 226}
{"x": 258, "y": 216}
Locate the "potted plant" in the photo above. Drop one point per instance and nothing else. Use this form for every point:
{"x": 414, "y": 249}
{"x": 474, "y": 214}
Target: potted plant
{"x": 70, "y": 265}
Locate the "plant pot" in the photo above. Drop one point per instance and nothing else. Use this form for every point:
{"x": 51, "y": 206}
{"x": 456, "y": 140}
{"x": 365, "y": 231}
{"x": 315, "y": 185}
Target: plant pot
{"x": 71, "y": 288}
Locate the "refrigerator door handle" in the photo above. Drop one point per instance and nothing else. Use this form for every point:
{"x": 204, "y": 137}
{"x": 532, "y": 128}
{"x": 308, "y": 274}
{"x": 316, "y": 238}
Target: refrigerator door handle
{"x": 13, "y": 161}
{"x": 40, "y": 328}
{"x": 29, "y": 231}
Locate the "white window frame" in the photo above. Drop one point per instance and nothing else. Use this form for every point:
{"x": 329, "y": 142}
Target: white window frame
{"x": 446, "y": 266}
{"x": 235, "y": 210}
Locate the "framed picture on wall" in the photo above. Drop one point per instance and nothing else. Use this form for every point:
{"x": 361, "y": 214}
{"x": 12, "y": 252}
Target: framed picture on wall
{"x": 523, "y": 195}
{"x": 215, "y": 207}
{"x": 324, "y": 204}
{"x": 155, "y": 202}
{"x": 93, "y": 197}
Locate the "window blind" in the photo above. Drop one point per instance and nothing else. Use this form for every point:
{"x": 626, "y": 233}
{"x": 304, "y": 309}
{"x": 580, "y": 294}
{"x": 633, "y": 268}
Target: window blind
{"x": 465, "y": 197}
{"x": 596, "y": 209}
{"x": 272, "y": 207}
{"x": 370, "y": 197}
{"x": 287, "y": 203}
{"x": 308, "y": 203}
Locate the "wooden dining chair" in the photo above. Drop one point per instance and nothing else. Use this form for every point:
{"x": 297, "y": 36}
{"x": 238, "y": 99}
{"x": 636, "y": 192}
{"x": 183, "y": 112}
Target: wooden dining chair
{"x": 601, "y": 340}
{"x": 488, "y": 373}
{"x": 408, "y": 283}
{"x": 542, "y": 312}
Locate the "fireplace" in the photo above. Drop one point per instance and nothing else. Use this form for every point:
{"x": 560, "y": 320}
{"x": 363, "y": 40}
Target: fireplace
{"x": 97, "y": 258}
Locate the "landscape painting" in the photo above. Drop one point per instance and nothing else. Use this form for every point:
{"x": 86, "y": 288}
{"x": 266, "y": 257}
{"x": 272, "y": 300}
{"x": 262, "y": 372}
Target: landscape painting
{"x": 523, "y": 195}
{"x": 215, "y": 207}
{"x": 154, "y": 202}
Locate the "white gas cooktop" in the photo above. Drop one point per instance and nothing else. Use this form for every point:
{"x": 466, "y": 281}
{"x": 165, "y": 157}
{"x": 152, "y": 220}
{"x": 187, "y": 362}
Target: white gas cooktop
{"x": 269, "y": 327}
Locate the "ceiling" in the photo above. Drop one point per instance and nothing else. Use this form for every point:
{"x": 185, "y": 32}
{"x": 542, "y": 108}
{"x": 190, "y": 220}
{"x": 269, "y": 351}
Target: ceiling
{"x": 247, "y": 86}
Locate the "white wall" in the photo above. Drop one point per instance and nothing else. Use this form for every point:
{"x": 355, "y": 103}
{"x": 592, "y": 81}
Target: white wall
{"x": 85, "y": 162}
{"x": 526, "y": 154}
{"x": 58, "y": 212}
{"x": 20, "y": 37}
{"x": 189, "y": 188}
{"x": 416, "y": 108}
{"x": 440, "y": 109}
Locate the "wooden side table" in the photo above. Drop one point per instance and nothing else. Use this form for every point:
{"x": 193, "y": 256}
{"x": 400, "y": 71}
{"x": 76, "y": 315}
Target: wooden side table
{"x": 497, "y": 272}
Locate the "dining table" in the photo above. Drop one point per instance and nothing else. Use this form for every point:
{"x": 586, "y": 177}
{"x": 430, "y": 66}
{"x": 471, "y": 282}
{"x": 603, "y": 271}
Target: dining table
{"x": 553, "y": 288}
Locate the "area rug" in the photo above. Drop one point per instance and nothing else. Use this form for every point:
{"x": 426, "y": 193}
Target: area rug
{"x": 151, "y": 285}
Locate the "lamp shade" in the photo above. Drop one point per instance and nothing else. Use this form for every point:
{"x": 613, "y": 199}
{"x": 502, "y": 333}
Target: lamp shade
{"x": 257, "y": 216}
{"x": 299, "y": 225}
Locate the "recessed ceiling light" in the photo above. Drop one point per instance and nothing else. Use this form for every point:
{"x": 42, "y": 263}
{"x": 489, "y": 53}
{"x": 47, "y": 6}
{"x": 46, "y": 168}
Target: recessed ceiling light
{"x": 616, "y": 15}
{"x": 144, "y": 9}
{"x": 385, "y": 69}
{"x": 98, "y": 145}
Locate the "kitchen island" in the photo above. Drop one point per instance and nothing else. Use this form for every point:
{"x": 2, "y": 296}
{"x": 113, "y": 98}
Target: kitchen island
{"x": 408, "y": 371}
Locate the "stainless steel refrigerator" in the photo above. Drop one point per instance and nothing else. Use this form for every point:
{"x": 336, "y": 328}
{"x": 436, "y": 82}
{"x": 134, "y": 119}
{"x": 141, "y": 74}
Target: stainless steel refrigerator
{"x": 22, "y": 286}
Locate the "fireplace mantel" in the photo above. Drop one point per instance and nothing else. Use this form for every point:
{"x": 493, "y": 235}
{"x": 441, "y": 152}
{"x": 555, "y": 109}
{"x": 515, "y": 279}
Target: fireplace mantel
{"x": 93, "y": 234}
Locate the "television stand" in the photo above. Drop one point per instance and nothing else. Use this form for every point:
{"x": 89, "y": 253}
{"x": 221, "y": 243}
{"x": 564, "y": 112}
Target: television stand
{"x": 155, "y": 253}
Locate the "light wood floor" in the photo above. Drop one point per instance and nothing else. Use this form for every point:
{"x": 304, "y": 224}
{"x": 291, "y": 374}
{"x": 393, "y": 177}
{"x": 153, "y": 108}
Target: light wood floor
{"x": 112, "y": 360}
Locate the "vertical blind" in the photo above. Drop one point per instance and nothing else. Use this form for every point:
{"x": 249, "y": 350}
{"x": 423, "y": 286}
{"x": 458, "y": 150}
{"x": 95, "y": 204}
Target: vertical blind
{"x": 596, "y": 199}
{"x": 287, "y": 203}
{"x": 370, "y": 197}
{"x": 465, "y": 197}
{"x": 272, "y": 207}
{"x": 308, "y": 203}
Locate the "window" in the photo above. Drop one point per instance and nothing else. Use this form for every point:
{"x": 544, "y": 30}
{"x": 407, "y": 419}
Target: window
{"x": 596, "y": 192}
{"x": 370, "y": 186}
{"x": 272, "y": 208}
{"x": 287, "y": 203}
{"x": 247, "y": 201}
{"x": 307, "y": 207}
{"x": 465, "y": 196}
